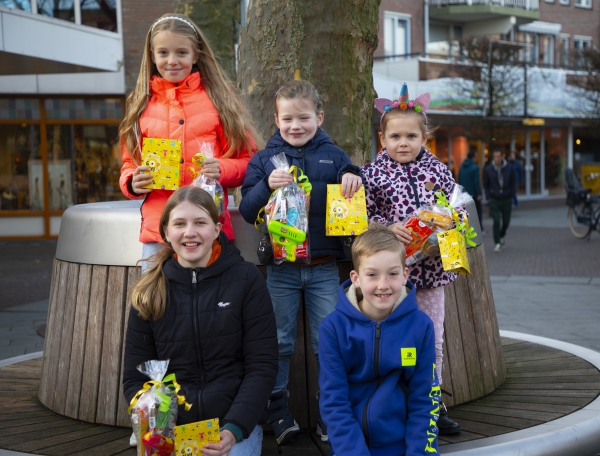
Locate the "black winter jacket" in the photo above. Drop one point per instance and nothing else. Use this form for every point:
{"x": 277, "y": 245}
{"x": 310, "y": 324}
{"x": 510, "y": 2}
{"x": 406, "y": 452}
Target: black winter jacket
{"x": 492, "y": 186}
{"x": 322, "y": 161}
{"x": 220, "y": 336}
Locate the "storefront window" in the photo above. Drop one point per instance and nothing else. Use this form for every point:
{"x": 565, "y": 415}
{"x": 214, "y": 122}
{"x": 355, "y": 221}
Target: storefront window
{"x": 83, "y": 164}
{"x": 555, "y": 159}
{"x": 83, "y": 109}
{"x": 19, "y": 109}
{"x": 101, "y": 14}
{"x": 21, "y": 176}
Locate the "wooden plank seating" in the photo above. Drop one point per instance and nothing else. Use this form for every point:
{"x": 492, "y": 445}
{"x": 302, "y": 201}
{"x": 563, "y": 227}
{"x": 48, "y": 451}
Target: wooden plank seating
{"x": 95, "y": 266}
{"x": 542, "y": 384}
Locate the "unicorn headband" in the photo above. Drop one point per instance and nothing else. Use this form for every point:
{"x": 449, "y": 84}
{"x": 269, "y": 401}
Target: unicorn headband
{"x": 177, "y": 19}
{"x": 419, "y": 104}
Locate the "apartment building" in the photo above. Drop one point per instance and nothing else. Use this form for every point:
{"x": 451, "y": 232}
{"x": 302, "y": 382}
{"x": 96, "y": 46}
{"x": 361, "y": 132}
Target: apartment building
{"x": 420, "y": 43}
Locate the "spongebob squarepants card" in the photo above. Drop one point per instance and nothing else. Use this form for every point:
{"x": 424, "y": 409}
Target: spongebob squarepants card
{"x": 345, "y": 218}
{"x": 453, "y": 250}
{"x": 189, "y": 438}
{"x": 163, "y": 157}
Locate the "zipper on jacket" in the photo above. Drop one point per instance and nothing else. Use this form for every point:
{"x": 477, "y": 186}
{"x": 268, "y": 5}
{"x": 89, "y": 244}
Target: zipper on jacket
{"x": 199, "y": 359}
{"x": 365, "y": 424}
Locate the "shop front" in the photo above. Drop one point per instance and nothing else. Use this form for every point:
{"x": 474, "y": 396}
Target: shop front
{"x": 55, "y": 152}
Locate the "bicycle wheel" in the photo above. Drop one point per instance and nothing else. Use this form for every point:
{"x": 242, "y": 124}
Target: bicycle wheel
{"x": 580, "y": 220}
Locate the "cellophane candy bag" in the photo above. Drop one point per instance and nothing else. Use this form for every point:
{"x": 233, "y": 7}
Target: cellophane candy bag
{"x": 212, "y": 186}
{"x": 286, "y": 216}
{"x": 427, "y": 221}
{"x": 154, "y": 415}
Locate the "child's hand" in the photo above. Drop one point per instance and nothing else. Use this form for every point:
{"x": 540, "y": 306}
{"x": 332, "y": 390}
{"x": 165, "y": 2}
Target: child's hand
{"x": 401, "y": 232}
{"x": 351, "y": 183}
{"x": 211, "y": 168}
{"x": 223, "y": 447}
{"x": 139, "y": 180}
{"x": 279, "y": 178}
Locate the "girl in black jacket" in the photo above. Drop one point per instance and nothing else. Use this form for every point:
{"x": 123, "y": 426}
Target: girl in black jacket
{"x": 208, "y": 311}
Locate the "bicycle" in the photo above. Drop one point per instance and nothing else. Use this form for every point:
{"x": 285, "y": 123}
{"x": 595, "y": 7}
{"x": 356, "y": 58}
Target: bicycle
{"x": 584, "y": 210}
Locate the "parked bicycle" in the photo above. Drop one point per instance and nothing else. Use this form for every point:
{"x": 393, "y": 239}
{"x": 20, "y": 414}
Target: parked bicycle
{"x": 584, "y": 209}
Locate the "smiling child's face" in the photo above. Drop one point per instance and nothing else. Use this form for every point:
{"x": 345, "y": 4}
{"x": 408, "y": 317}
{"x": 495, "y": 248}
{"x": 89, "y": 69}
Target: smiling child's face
{"x": 297, "y": 120}
{"x": 380, "y": 277}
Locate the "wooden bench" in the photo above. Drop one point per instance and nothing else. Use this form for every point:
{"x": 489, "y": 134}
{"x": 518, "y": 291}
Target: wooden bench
{"x": 95, "y": 266}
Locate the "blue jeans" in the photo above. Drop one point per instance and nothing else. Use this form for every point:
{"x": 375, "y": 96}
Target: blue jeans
{"x": 252, "y": 446}
{"x": 149, "y": 249}
{"x": 320, "y": 284}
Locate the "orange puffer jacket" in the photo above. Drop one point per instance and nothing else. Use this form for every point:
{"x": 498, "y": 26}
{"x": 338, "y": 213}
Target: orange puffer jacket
{"x": 182, "y": 111}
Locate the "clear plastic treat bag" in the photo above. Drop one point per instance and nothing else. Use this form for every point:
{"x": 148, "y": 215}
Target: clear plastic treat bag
{"x": 212, "y": 186}
{"x": 286, "y": 215}
{"x": 154, "y": 410}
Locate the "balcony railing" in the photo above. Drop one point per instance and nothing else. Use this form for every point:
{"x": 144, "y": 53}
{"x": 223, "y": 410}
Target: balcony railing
{"x": 533, "y": 5}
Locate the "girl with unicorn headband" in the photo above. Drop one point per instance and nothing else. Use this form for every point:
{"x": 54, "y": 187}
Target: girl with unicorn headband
{"x": 403, "y": 177}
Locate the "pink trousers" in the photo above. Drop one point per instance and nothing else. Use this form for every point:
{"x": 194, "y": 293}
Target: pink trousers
{"x": 431, "y": 301}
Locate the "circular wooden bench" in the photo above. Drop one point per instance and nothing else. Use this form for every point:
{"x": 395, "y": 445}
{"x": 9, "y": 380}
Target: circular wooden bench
{"x": 95, "y": 266}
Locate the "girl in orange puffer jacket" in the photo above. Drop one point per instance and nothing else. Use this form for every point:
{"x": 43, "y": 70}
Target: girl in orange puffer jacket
{"x": 182, "y": 93}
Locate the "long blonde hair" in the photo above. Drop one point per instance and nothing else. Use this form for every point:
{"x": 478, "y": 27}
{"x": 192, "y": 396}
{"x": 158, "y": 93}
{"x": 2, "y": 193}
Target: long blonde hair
{"x": 149, "y": 293}
{"x": 237, "y": 124}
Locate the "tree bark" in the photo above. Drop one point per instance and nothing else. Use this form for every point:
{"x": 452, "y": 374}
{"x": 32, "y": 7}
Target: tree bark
{"x": 329, "y": 43}
{"x": 218, "y": 20}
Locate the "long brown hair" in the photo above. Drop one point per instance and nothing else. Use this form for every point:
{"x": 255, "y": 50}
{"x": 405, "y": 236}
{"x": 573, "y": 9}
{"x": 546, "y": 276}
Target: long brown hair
{"x": 237, "y": 124}
{"x": 149, "y": 293}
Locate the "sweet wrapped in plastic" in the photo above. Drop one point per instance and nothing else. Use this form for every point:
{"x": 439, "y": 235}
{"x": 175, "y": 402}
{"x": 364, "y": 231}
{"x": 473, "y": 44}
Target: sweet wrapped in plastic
{"x": 430, "y": 220}
{"x": 154, "y": 410}
{"x": 286, "y": 216}
{"x": 212, "y": 186}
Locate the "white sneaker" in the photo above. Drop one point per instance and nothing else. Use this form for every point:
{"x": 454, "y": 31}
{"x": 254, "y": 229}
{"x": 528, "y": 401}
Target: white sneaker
{"x": 498, "y": 248}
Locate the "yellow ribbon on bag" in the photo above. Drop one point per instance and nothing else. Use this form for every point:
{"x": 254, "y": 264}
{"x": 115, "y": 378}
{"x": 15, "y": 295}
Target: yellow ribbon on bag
{"x": 150, "y": 383}
{"x": 197, "y": 160}
{"x": 462, "y": 226}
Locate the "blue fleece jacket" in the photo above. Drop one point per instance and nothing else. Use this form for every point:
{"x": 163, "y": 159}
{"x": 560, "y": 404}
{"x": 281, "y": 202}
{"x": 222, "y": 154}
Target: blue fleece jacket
{"x": 379, "y": 390}
{"x": 322, "y": 161}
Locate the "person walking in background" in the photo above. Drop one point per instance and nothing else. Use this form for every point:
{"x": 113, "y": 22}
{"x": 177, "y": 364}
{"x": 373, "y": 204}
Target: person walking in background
{"x": 500, "y": 188}
{"x": 468, "y": 177}
{"x": 519, "y": 174}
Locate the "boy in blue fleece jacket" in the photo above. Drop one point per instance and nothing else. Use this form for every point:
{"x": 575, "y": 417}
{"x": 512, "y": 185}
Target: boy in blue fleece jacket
{"x": 379, "y": 389}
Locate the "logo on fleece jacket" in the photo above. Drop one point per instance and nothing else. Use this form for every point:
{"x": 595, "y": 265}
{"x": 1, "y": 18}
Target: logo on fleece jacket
{"x": 223, "y": 304}
{"x": 408, "y": 356}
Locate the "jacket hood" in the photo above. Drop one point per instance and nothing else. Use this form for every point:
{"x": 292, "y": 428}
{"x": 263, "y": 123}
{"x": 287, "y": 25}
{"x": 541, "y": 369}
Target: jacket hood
{"x": 407, "y": 305}
{"x": 469, "y": 164}
{"x": 181, "y": 275}
{"x": 320, "y": 138}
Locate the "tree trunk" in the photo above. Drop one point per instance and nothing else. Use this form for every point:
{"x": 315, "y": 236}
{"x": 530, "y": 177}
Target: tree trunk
{"x": 329, "y": 43}
{"x": 218, "y": 20}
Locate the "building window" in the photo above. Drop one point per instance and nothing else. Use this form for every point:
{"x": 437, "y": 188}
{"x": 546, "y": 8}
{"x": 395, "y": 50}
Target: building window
{"x": 396, "y": 34}
{"x": 582, "y": 42}
{"x": 101, "y": 14}
{"x": 564, "y": 2}
{"x": 583, "y": 3}
{"x": 563, "y": 51}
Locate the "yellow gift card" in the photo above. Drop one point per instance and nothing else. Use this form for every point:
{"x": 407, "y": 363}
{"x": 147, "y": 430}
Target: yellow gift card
{"x": 189, "y": 438}
{"x": 345, "y": 217}
{"x": 163, "y": 157}
{"x": 453, "y": 250}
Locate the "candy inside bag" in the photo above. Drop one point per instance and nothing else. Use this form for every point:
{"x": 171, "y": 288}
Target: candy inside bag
{"x": 286, "y": 216}
{"x": 212, "y": 186}
{"x": 154, "y": 411}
